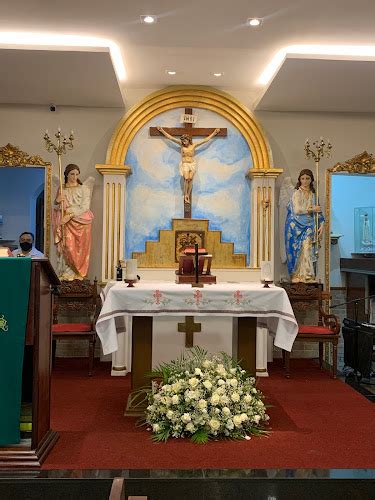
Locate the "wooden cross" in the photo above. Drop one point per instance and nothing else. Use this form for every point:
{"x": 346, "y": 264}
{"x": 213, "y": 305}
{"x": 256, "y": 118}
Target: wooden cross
{"x": 192, "y": 132}
{"x": 189, "y": 327}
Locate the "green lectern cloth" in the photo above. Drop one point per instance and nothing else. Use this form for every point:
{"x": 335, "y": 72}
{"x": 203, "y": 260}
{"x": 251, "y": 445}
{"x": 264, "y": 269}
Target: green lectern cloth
{"x": 14, "y": 300}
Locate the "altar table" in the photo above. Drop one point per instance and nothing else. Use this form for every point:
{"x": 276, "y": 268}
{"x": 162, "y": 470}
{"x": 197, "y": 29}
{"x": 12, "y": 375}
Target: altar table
{"x": 251, "y": 303}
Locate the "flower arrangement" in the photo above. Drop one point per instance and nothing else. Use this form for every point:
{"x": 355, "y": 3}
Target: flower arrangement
{"x": 204, "y": 397}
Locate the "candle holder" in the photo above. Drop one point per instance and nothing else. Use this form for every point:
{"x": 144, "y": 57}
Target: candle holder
{"x": 130, "y": 283}
{"x": 267, "y": 283}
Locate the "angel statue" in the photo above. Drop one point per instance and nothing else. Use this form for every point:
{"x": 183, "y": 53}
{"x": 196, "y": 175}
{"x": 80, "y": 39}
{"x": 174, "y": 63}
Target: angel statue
{"x": 72, "y": 219}
{"x": 188, "y": 164}
{"x": 297, "y": 210}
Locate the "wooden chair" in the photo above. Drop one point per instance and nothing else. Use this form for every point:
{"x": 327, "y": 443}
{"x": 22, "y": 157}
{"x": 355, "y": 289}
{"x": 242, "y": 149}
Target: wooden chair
{"x": 326, "y": 329}
{"x": 74, "y": 315}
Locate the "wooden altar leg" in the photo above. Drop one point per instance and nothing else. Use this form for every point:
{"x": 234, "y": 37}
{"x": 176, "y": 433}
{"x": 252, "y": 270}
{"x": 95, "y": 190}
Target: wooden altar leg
{"x": 141, "y": 363}
{"x": 245, "y": 343}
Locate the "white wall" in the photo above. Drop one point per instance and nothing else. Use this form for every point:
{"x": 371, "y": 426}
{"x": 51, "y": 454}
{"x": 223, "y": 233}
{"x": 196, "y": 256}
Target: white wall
{"x": 350, "y": 135}
{"x": 24, "y": 127}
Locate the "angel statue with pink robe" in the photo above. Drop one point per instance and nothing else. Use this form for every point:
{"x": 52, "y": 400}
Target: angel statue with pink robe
{"x": 72, "y": 221}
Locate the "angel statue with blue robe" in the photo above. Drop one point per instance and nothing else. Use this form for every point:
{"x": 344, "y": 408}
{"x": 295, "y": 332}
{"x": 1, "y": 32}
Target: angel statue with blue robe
{"x": 303, "y": 220}
{"x": 72, "y": 221}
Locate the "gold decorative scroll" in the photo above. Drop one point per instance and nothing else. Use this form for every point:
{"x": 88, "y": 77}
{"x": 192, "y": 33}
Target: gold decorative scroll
{"x": 363, "y": 163}
{"x": 11, "y": 156}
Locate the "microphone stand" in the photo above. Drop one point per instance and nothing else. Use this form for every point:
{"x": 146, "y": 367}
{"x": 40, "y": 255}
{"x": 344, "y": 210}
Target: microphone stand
{"x": 355, "y": 302}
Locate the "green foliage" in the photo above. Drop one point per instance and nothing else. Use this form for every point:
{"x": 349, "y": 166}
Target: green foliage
{"x": 201, "y": 436}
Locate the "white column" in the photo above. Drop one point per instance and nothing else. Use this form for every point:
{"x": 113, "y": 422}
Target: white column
{"x": 261, "y": 352}
{"x": 113, "y": 238}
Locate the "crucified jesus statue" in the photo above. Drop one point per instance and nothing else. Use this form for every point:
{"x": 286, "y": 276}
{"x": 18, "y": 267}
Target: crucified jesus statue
{"x": 188, "y": 164}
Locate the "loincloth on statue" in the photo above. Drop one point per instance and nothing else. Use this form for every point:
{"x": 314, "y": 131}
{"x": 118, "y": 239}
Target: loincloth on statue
{"x": 187, "y": 168}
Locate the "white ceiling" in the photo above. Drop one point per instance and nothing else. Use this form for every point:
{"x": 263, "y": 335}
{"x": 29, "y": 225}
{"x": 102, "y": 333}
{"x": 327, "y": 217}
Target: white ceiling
{"x": 195, "y": 38}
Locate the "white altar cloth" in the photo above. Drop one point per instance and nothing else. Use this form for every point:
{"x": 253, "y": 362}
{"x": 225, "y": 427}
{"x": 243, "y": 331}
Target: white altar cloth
{"x": 270, "y": 305}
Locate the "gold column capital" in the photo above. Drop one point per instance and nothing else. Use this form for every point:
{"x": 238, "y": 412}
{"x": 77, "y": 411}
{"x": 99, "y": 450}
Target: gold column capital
{"x": 113, "y": 169}
{"x": 269, "y": 173}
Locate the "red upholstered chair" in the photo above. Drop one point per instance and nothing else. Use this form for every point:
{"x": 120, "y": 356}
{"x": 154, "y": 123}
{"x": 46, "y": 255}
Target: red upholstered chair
{"x": 74, "y": 315}
{"x": 309, "y": 298}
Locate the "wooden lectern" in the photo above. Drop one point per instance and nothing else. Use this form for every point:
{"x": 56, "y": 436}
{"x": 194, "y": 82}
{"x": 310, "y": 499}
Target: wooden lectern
{"x": 30, "y": 455}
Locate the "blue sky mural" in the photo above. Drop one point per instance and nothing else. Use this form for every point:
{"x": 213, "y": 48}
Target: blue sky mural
{"x": 221, "y": 192}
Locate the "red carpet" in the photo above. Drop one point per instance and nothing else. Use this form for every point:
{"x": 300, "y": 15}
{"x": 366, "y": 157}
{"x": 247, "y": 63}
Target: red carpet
{"x": 316, "y": 422}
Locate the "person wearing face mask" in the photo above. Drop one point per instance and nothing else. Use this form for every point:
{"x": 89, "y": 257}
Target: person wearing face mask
{"x": 27, "y": 249}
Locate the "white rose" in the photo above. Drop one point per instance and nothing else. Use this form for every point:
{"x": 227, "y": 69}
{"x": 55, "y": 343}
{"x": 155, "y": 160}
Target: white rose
{"x": 229, "y": 425}
{"x": 256, "y": 419}
{"x": 198, "y": 371}
{"x": 221, "y": 382}
{"x": 175, "y": 399}
{"x": 190, "y": 427}
{"x": 191, "y": 394}
{"x": 248, "y": 398}
{"x": 220, "y": 390}
{"x": 176, "y": 387}
{"x": 233, "y": 370}
{"x": 207, "y": 363}
{"x": 186, "y": 418}
{"x": 215, "y": 398}
{"x": 233, "y": 382}
{"x": 193, "y": 382}
{"x": 226, "y": 411}
{"x": 253, "y": 390}
{"x": 156, "y": 427}
{"x": 224, "y": 400}
{"x": 244, "y": 417}
{"x": 170, "y": 414}
{"x": 166, "y": 388}
{"x": 207, "y": 384}
{"x": 202, "y": 404}
{"x": 235, "y": 397}
{"x": 214, "y": 424}
{"x": 237, "y": 420}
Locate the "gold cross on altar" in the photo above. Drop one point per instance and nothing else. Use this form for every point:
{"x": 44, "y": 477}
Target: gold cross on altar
{"x": 189, "y": 327}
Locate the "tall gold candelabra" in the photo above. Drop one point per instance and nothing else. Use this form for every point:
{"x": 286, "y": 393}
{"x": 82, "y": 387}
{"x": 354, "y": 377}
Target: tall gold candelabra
{"x": 63, "y": 144}
{"x": 321, "y": 150}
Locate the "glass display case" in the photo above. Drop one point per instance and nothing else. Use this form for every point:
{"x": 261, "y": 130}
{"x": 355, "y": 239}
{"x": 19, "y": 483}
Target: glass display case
{"x": 364, "y": 230}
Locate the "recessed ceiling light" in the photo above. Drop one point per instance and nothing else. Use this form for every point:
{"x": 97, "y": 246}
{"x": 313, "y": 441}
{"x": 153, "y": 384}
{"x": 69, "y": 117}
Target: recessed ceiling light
{"x": 254, "y": 21}
{"x": 218, "y": 74}
{"x": 148, "y": 19}
{"x": 170, "y": 72}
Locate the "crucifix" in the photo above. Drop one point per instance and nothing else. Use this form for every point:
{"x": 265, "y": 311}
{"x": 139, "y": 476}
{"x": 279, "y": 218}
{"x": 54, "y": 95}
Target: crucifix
{"x": 189, "y": 327}
{"x": 188, "y": 164}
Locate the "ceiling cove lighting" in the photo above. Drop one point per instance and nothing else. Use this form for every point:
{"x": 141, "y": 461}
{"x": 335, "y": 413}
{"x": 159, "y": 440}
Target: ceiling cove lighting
{"x": 171, "y": 72}
{"x": 349, "y": 52}
{"x": 46, "y": 40}
{"x": 254, "y": 21}
{"x": 218, "y": 74}
{"x": 148, "y": 19}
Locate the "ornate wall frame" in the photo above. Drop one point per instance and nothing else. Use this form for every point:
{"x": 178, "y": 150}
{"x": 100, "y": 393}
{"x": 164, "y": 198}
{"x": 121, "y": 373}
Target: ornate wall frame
{"x": 362, "y": 164}
{"x": 12, "y": 156}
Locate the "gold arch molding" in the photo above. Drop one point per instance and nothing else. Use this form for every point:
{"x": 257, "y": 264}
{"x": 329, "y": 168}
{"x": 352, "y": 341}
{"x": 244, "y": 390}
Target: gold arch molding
{"x": 194, "y": 97}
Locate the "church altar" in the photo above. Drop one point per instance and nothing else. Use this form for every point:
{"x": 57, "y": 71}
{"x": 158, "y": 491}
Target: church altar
{"x": 270, "y": 307}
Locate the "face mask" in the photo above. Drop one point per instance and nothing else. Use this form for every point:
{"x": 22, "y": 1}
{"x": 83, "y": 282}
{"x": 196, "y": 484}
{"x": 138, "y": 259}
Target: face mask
{"x": 26, "y": 246}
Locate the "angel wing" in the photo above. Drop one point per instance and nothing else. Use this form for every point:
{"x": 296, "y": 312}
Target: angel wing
{"x": 286, "y": 192}
{"x": 89, "y": 182}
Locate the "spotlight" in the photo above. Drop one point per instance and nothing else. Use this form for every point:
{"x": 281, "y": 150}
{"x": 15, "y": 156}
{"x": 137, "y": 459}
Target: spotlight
{"x": 148, "y": 19}
{"x": 170, "y": 72}
{"x": 254, "y": 21}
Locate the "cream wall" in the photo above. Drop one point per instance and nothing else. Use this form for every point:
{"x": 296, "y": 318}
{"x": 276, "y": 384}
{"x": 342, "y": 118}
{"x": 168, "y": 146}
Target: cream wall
{"x": 350, "y": 135}
{"x": 93, "y": 127}
{"x": 24, "y": 126}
